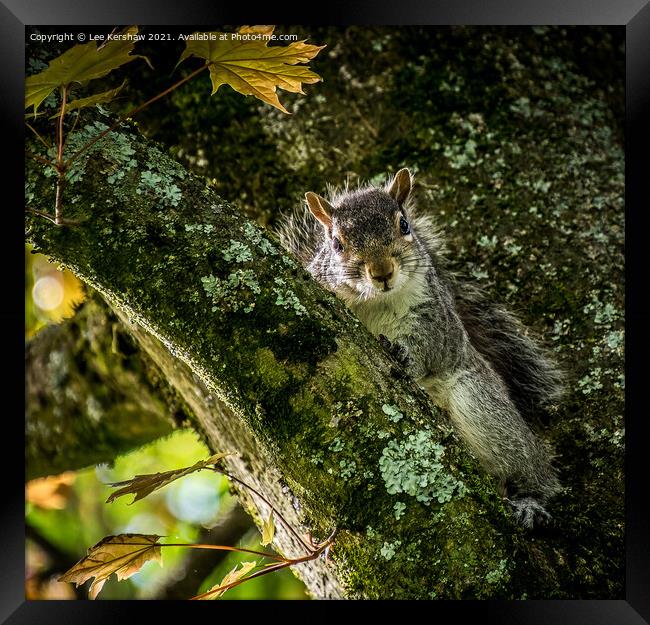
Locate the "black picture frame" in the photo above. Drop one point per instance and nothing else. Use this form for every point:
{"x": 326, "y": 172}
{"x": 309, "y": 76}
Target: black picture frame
{"x": 634, "y": 15}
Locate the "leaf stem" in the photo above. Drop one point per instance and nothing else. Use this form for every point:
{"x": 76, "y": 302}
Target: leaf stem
{"x": 268, "y": 503}
{"x": 40, "y": 138}
{"x": 273, "y": 556}
{"x": 270, "y": 569}
{"x": 133, "y": 112}
{"x": 60, "y": 165}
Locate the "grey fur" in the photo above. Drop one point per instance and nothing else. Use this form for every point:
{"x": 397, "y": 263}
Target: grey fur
{"x": 470, "y": 354}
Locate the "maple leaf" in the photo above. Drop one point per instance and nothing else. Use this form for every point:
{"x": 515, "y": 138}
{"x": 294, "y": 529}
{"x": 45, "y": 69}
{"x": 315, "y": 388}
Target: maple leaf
{"x": 268, "y": 531}
{"x": 143, "y": 485}
{"x": 251, "y": 67}
{"x": 79, "y": 64}
{"x": 234, "y": 576}
{"x": 123, "y": 555}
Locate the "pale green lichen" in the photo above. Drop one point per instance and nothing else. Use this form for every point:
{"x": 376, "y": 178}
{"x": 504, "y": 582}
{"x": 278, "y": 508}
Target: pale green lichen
{"x": 388, "y": 549}
{"x": 160, "y": 185}
{"x": 393, "y": 412}
{"x": 238, "y": 252}
{"x": 120, "y": 155}
{"x": 413, "y": 466}
{"x": 591, "y": 382}
{"x": 203, "y": 228}
{"x": 499, "y": 574}
{"x": 227, "y": 292}
{"x": 348, "y": 468}
{"x": 604, "y": 313}
{"x": 287, "y": 298}
{"x": 289, "y": 263}
{"x": 255, "y": 235}
{"x": 399, "y": 508}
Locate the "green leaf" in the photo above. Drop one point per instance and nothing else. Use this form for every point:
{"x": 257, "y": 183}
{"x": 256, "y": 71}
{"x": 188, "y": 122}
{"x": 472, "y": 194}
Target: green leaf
{"x": 81, "y": 63}
{"x": 251, "y": 67}
{"x": 268, "y": 531}
{"x": 234, "y": 578}
{"x": 98, "y": 98}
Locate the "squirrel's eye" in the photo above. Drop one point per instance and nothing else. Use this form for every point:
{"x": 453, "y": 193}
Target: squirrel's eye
{"x": 336, "y": 245}
{"x": 404, "y": 225}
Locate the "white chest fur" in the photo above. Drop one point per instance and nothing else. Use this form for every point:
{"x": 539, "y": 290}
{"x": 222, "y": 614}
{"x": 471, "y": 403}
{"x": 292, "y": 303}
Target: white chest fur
{"x": 390, "y": 313}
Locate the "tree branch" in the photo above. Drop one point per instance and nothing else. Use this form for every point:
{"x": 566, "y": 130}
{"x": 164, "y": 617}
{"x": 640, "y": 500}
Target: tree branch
{"x": 90, "y": 394}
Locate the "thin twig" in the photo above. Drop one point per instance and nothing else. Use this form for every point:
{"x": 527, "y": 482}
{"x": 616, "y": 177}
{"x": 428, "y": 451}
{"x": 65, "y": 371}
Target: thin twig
{"x": 271, "y": 569}
{"x": 268, "y": 503}
{"x": 133, "y": 112}
{"x": 61, "y": 138}
{"x": 40, "y": 138}
{"x": 60, "y": 166}
{"x": 63, "y": 222}
{"x": 39, "y": 158}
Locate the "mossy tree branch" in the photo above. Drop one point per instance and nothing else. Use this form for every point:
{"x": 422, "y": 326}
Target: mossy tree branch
{"x": 91, "y": 394}
{"x": 276, "y": 369}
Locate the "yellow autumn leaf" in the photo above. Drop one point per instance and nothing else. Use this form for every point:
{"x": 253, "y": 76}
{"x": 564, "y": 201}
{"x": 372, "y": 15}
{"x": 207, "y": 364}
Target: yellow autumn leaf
{"x": 234, "y": 576}
{"x": 143, "y": 485}
{"x": 251, "y": 67}
{"x": 123, "y": 555}
{"x": 261, "y": 30}
{"x": 79, "y": 64}
{"x": 50, "y": 493}
{"x": 268, "y": 531}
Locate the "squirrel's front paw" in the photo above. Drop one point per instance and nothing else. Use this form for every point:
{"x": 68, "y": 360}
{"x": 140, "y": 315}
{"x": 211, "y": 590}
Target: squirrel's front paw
{"x": 529, "y": 512}
{"x": 397, "y": 351}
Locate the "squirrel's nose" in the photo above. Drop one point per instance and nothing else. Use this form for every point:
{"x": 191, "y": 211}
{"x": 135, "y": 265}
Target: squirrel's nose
{"x": 381, "y": 272}
{"x": 381, "y": 277}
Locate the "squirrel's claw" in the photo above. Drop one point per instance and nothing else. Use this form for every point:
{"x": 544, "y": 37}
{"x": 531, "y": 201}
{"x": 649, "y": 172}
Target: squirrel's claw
{"x": 529, "y": 512}
{"x": 397, "y": 351}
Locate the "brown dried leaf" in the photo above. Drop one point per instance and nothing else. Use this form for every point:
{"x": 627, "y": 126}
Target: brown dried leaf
{"x": 143, "y": 485}
{"x": 123, "y": 555}
{"x": 50, "y": 493}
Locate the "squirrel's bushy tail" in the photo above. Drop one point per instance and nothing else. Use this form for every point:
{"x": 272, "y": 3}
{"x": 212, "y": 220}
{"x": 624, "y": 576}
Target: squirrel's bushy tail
{"x": 533, "y": 379}
{"x": 300, "y": 233}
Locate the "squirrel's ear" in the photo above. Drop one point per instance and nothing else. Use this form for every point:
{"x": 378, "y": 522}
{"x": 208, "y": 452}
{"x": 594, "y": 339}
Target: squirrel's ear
{"x": 320, "y": 208}
{"x": 401, "y": 186}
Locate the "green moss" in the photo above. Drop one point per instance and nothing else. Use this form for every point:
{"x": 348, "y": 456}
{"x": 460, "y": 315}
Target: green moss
{"x": 272, "y": 374}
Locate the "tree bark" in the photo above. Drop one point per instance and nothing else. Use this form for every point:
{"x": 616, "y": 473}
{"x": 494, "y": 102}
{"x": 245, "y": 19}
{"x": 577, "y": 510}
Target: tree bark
{"x": 278, "y": 370}
{"x": 90, "y": 394}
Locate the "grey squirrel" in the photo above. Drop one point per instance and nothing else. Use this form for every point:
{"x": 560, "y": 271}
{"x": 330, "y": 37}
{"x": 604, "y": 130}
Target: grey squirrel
{"x": 386, "y": 262}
